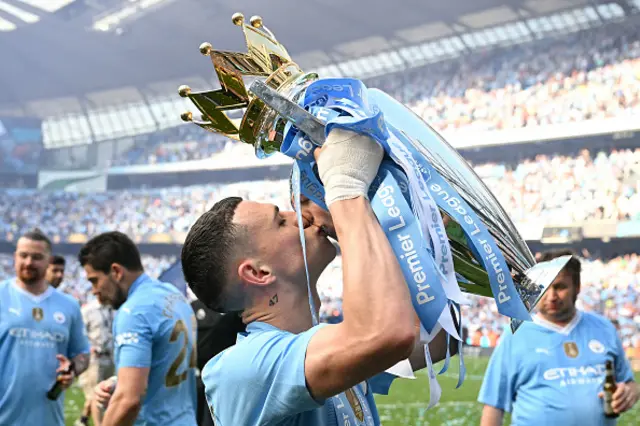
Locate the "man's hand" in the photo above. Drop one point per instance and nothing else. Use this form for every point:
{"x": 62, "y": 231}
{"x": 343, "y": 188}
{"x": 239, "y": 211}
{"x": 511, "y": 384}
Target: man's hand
{"x": 347, "y": 164}
{"x": 103, "y": 391}
{"x": 65, "y": 373}
{"x": 624, "y": 398}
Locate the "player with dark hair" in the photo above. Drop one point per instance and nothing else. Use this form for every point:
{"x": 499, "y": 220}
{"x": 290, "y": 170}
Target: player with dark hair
{"x": 55, "y": 270}
{"x": 246, "y": 256}
{"x": 154, "y": 334}
{"x": 41, "y": 339}
{"x": 551, "y": 370}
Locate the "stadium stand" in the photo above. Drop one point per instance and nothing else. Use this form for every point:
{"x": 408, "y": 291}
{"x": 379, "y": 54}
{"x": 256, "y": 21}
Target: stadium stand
{"x": 588, "y": 75}
{"x": 557, "y": 188}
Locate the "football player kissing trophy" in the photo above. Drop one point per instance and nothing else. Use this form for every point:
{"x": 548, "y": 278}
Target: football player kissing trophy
{"x": 448, "y": 231}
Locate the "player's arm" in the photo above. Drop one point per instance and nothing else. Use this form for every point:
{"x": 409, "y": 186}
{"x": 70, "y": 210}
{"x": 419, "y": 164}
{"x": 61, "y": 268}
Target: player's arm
{"x": 126, "y": 401}
{"x": 491, "y": 416}
{"x": 134, "y": 343}
{"x": 378, "y": 327}
{"x": 437, "y": 346}
{"x": 79, "y": 348}
{"x": 437, "y": 349}
{"x": 499, "y": 383}
{"x": 626, "y": 394}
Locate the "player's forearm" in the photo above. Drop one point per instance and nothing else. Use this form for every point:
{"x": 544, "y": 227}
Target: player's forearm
{"x": 491, "y": 416}
{"x": 377, "y": 303}
{"x": 122, "y": 410}
{"x": 80, "y": 363}
{"x": 437, "y": 350}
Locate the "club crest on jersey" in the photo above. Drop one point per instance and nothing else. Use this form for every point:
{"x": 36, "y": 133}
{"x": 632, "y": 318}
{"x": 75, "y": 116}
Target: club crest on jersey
{"x": 355, "y": 403}
{"x": 596, "y": 346}
{"x": 37, "y": 314}
{"x": 571, "y": 349}
{"x": 59, "y": 317}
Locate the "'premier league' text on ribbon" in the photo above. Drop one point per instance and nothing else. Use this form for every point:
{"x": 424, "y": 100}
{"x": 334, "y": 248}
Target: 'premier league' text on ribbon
{"x": 410, "y": 256}
{"x": 455, "y": 204}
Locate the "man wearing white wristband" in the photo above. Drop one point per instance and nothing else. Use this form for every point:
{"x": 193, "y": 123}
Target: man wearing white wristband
{"x": 246, "y": 257}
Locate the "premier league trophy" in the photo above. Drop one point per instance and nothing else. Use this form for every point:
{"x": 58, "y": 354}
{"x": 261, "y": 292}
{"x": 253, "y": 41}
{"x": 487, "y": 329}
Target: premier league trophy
{"x": 448, "y": 231}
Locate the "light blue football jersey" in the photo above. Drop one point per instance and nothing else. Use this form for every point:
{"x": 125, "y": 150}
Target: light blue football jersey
{"x": 547, "y": 375}
{"x": 261, "y": 381}
{"x": 155, "y": 328}
{"x": 33, "y": 330}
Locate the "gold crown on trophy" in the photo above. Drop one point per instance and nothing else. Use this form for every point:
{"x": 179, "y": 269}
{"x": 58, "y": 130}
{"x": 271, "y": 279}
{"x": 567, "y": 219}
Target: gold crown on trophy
{"x": 266, "y": 58}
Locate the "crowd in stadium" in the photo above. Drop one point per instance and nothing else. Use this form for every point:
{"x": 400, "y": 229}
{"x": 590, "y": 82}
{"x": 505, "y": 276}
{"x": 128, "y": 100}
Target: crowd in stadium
{"x": 582, "y": 76}
{"x": 559, "y": 188}
{"x": 569, "y": 78}
{"x": 565, "y": 189}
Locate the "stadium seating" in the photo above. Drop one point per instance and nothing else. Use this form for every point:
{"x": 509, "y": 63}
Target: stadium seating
{"x": 544, "y": 188}
{"x": 570, "y": 78}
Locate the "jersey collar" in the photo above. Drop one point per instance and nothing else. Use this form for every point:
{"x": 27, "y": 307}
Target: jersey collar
{"x": 36, "y": 298}
{"x": 255, "y": 327}
{"x": 258, "y": 326}
{"x": 538, "y": 319}
{"x": 139, "y": 281}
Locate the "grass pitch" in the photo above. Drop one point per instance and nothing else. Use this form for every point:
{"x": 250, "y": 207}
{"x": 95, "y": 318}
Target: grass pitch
{"x": 406, "y": 404}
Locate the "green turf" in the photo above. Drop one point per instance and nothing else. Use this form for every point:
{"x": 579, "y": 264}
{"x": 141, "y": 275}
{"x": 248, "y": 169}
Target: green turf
{"x": 406, "y": 404}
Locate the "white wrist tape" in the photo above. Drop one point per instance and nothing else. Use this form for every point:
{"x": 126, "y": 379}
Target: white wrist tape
{"x": 348, "y": 164}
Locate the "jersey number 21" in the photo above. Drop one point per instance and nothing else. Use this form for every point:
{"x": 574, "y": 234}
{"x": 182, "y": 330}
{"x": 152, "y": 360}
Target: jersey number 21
{"x": 173, "y": 378}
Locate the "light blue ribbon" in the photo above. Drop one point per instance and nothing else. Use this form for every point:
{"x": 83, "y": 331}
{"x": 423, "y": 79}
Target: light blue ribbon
{"x": 403, "y": 232}
{"x": 482, "y": 243}
{"x": 409, "y": 184}
{"x": 295, "y": 182}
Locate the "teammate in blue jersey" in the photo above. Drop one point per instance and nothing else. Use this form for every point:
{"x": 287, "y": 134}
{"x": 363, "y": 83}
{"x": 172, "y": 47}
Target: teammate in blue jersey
{"x": 551, "y": 371}
{"x": 154, "y": 334}
{"x": 246, "y": 257}
{"x": 41, "y": 334}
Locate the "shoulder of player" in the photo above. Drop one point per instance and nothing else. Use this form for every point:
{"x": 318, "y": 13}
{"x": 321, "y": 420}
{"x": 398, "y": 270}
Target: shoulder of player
{"x": 232, "y": 363}
{"x": 66, "y": 300}
{"x": 521, "y": 339}
{"x": 150, "y": 304}
{"x": 265, "y": 344}
{"x": 593, "y": 319}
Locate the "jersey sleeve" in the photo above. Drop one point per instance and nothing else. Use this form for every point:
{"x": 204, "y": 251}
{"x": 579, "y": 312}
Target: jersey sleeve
{"x": 261, "y": 380}
{"x": 78, "y": 341}
{"x": 133, "y": 339}
{"x": 498, "y": 384}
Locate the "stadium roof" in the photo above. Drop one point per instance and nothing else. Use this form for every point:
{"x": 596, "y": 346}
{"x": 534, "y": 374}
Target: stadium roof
{"x": 67, "y": 56}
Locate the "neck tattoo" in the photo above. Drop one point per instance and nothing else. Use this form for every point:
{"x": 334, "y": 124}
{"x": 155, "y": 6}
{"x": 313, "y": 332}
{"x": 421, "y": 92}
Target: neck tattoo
{"x": 273, "y": 300}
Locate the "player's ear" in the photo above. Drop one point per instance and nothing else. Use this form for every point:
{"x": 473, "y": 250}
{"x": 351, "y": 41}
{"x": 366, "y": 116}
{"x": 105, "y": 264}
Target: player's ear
{"x": 117, "y": 272}
{"x": 254, "y": 272}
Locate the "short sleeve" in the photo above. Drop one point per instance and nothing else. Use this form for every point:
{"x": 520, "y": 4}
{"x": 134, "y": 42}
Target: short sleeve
{"x": 497, "y": 385}
{"x": 623, "y": 369}
{"x": 133, "y": 338}
{"x": 260, "y": 380}
{"x": 78, "y": 341}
